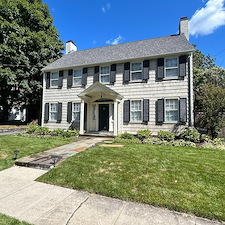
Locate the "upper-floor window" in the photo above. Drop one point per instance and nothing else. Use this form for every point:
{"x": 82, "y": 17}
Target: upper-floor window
{"x": 54, "y": 79}
{"x": 104, "y": 74}
{"x": 171, "y": 110}
{"x": 77, "y": 75}
{"x": 76, "y": 112}
{"x": 53, "y": 110}
{"x": 171, "y": 67}
{"x": 136, "y": 71}
{"x": 136, "y": 110}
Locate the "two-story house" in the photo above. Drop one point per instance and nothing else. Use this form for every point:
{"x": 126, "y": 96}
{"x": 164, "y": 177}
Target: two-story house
{"x": 121, "y": 88}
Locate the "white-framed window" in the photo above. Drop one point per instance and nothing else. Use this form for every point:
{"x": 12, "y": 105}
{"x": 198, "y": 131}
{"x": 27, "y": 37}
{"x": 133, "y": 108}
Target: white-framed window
{"x": 53, "y": 111}
{"x": 136, "y": 71}
{"x": 136, "y": 110}
{"x": 54, "y": 79}
{"x": 171, "y": 110}
{"x": 171, "y": 67}
{"x": 77, "y": 76}
{"x": 104, "y": 74}
{"x": 76, "y": 112}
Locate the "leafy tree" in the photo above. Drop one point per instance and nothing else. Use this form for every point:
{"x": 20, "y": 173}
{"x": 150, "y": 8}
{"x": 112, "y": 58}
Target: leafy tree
{"x": 28, "y": 41}
{"x": 212, "y": 100}
{"x": 209, "y": 90}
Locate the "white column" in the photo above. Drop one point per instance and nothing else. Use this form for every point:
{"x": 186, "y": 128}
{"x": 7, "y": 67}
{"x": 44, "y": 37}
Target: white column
{"x": 191, "y": 93}
{"x": 82, "y": 117}
{"x": 115, "y": 128}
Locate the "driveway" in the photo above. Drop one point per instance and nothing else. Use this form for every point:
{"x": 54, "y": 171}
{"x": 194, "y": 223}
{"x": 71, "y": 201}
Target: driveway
{"x": 43, "y": 204}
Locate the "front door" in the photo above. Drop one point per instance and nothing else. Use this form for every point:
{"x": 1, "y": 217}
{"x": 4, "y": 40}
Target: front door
{"x": 104, "y": 117}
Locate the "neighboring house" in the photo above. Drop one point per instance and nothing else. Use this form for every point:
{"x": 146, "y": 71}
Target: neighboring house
{"x": 122, "y": 88}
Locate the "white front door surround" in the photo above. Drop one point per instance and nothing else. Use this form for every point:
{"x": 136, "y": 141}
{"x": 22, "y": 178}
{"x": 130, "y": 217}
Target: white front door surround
{"x": 99, "y": 97}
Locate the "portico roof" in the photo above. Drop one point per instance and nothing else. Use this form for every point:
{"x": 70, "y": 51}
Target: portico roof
{"x": 99, "y": 91}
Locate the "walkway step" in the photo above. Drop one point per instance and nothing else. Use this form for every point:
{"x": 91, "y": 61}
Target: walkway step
{"x": 50, "y": 158}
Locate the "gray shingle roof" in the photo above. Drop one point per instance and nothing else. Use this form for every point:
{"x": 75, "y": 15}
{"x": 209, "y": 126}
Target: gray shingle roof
{"x": 123, "y": 52}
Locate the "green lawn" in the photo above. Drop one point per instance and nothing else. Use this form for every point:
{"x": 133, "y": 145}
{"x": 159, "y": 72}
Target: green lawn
{"x": 6, "y": 220}
{"x": 184, "y": 179}
{"x": 25, "y": 145}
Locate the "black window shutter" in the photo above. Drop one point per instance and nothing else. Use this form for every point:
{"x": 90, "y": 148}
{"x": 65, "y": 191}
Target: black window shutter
{"x": 70, "y": 79}
{"x": 145, "y": 110}
{"x": 145, "y": 72}
{"x": 96, "y": 75}
{"x": 48, "y": 80}
{"x": 46, "y": 115}
{"x": 126, "y": 73}
{"x": 84, "y": 77}
{"x": 60, "y": 83}
{"x": 113, "y": 73}
{"x": 69, "y": 112}
{"x": 160, "y": 111}
{"x": 160, "y": 68}
{"x": 182, "y": 65}
{"x": 59, "y": 113}
{"x": 183, "y": 110}
{"x": 126, "y": 111}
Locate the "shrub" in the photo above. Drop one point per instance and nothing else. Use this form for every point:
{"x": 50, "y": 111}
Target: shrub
{"x": 57, "y": 132}
{"x": 204, "y": 138}
{"x": 212, "y": 145}
{"x": 166, "y": 135}
{"x": 143, "y": 134}
{"x": 190, "y": 134}
{"x": 155, "y": 141}
{"x": 183, "y": 143}
{"x": 34, "y": 129}
{"x": 126, "y": 136}
{"x": 131, "y": 141}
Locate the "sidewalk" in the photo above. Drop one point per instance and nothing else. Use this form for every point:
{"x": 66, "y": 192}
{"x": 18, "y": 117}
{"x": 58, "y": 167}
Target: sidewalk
{"x": 43, "y": 204}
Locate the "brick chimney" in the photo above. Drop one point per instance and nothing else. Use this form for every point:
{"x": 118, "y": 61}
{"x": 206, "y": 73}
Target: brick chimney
{"x": 70, "y": 47}
{"x": 183, "y": 28}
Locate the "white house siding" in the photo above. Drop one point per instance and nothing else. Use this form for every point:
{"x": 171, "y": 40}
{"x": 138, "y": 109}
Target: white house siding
{"x": 152, "y": 90}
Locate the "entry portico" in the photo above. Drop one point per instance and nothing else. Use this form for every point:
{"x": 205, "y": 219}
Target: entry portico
{"x": 100, "y": 107}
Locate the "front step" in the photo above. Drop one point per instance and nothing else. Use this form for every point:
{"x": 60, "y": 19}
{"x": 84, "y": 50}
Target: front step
{"x": 45, "y": 163}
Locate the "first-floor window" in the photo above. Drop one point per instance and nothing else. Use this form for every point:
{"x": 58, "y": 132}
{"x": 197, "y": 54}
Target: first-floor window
{"x": 104, "y": 74}
{"x": 54, "y": 79}
{"x": 53, "y": 111}
{"x": 136, "y": 110}
{"x": 171, "y": 110}
{"x": 77, "y": 74}
{"x": 76, "y": 112}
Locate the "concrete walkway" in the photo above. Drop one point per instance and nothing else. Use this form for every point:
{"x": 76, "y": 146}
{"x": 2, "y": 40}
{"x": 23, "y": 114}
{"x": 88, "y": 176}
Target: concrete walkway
{"x": 43, "y": 204}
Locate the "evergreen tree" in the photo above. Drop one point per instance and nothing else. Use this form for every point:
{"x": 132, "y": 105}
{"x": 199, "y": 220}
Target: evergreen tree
{"x": 28, "y": 41}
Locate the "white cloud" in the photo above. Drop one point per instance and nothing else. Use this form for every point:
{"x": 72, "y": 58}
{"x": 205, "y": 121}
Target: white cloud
{"x": 106, "y": 8}
{"x": 206, "y": 20}
{"x": 115, "y": 41}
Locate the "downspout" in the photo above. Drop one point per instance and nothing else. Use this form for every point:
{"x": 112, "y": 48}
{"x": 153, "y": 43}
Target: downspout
{"x": 43, "y": 99}
{"x": 191, "y": 93}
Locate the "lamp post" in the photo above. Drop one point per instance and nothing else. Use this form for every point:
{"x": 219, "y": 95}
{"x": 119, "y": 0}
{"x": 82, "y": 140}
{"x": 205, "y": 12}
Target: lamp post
{"x": 16, "y": 152}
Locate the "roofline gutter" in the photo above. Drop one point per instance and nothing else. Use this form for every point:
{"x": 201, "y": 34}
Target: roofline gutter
{"x": 120, "y": 61}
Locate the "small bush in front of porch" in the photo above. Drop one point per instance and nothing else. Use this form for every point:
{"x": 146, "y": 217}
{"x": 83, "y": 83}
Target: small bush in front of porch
{"x": 126, "y": 135}
{"x": 190, "y": 134}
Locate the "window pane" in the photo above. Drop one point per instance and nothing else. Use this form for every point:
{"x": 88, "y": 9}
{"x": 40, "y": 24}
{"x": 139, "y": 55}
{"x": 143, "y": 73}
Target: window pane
{"x": 171, "y": 108}
{"x": 77, "y": 73}
{"x": 54, "y": 83}
{"x": 76, "y": 111}
{"x": 171, "y": 72}
{"x": 53, "y": 116}
{"x": 105, "y": 70}
{"x": 55, "y": 76}
{"x": 53, "y": 107}
{"x": 77, "y": 81}
{"x": 171, "y": 62}
{"x": 136, "y": 116}
{"x": 136, "y": 76}
{"x": 105, "y": 79}
{"x": 136, "y": 66}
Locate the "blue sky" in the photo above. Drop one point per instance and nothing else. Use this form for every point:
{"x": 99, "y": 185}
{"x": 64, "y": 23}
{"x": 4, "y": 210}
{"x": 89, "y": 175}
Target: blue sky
{"x": 96, "y": 23}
